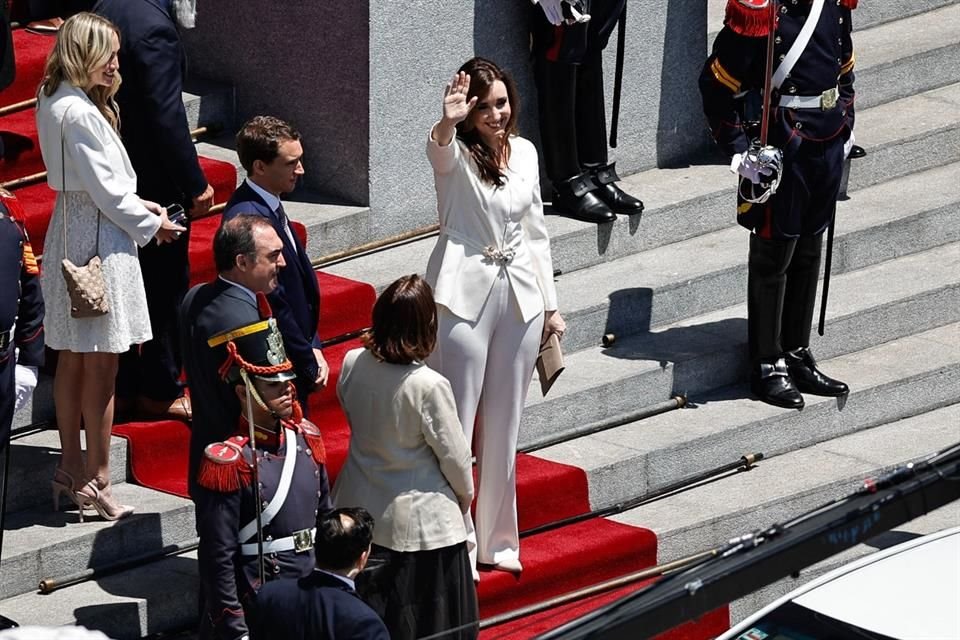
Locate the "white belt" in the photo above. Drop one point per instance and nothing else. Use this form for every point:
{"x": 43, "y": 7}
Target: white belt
{"x": 299, "y": 541}
{"x": 825, "y": 101}
{"x": 496, "y": 255}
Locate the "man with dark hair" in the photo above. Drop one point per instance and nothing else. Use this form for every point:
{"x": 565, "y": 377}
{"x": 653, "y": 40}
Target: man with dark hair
{"x": 156, "y": 134}
{"x": 248, "y": 255}
{"x": 271, "y": 153}
{"x": 324, "y": 604}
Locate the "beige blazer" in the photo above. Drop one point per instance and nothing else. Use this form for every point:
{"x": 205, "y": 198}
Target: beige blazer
{"x": 95, "y": 161}
{"x": 409, "y": 462}
{"x": 475, "y": 215}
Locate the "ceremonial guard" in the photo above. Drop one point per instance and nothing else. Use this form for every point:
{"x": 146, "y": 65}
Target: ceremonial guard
{"x": 569, "y": 37}
{"x": 261, "y": 490}
{"x": 21, "y": 315}
{"x": 790, "y": 66}
{"x": 21, "y": 332}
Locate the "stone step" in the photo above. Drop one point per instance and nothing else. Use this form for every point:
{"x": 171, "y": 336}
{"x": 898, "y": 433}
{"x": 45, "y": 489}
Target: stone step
{"x": 869, "y": 306}
{"x": 33, "y": 458}
{"x": 209, "y": 104}
{"x": 158, "y": 597}
{"x": 945, "y": 517}
{"x": 695, "y": 276}
{"x": 888, "y": 382}
{"x": 687, "y": 202}
{"x": 788, "y": 485}
{"x": 39, "y": 543}
{"x": 926, "y": 56}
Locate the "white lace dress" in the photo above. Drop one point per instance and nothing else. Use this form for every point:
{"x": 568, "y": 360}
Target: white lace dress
{"x": 90, "y": 170}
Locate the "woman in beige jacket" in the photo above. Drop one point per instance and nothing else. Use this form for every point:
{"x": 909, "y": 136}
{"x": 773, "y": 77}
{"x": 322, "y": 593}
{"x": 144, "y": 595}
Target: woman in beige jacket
{"x": 409, "y": 466}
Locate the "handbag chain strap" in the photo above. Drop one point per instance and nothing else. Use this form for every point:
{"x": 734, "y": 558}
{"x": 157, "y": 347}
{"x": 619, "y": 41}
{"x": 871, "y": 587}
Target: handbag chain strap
{"x": 63, "y": 189}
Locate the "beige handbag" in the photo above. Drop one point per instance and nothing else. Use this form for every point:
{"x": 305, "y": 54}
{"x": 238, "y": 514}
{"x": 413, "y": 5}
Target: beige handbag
{"x": 85, "y": 284}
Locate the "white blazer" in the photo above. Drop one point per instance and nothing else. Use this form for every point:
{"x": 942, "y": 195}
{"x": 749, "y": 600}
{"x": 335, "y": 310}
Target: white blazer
{"x": 409, "y": 462}
{"x": 94, "y": 161}
{"x": 475, "y": 215}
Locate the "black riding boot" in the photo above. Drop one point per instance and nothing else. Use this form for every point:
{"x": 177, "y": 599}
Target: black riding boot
{"x": 800, "y": 298}
{"x": 607, "y": 190}
{"x": 573, "y": 189}
{"x": 769, "y": 379}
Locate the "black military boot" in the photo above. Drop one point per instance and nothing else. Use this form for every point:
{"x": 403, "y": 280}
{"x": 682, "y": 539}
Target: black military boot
{"x": 617, "y": 199}
{"x": 808, "y": 379}
{"x": 575, "y": 198}
{"x": 770, "y": 381}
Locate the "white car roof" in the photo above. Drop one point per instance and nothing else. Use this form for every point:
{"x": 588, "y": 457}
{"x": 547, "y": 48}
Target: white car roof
{"x": 910, "y": 591}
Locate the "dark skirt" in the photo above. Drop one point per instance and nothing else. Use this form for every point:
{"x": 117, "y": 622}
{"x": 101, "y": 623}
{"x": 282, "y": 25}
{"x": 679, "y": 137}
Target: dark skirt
{"x": 422, "y": 593}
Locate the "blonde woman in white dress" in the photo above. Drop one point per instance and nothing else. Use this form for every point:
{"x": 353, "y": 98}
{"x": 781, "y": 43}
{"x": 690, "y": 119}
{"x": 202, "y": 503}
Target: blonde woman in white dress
{"x": 77, "y": 122}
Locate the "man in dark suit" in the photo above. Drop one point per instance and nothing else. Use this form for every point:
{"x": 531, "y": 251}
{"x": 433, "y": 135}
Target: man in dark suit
{"x": 248, "y": 255}
{"x": 156, "y": 135}
{"x": 271, "y": 153}
{"x": 324, "y": 604}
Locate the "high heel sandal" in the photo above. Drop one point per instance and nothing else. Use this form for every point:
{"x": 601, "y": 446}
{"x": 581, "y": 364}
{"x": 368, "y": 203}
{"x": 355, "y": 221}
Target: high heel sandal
{"x": 96, "y": 497}
{"x": 69, "y": 487}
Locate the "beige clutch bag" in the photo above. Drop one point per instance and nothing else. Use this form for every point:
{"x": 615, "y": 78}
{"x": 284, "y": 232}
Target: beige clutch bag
{"x": 549, "y": 363}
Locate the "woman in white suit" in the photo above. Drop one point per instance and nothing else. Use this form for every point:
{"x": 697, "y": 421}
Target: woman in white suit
{"x": 409, "y": 466}
{"x": 77, "y": 123}
{"x": 493, "y": 279}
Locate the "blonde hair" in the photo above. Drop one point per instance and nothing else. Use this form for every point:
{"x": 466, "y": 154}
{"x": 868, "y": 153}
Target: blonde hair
{"x": 84, "y": 44}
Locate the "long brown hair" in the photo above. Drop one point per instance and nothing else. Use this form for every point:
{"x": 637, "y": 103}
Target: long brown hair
{"x": 483, "y": 73}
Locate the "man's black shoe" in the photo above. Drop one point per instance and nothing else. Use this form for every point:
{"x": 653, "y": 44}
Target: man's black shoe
{"x": 803, "y": 369}
{"x": 575, "y": 198}
{"x": 617, "y": 199}
{"x": 7, "y": 623}
{"x": 771, "y": 383}
{"x": 856, "y": 151}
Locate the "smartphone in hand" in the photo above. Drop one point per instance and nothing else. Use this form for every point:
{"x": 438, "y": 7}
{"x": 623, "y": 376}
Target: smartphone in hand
{"x": 176, "y": 214}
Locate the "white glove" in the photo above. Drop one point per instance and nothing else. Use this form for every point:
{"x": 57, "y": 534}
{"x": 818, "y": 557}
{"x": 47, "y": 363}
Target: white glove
{"x": 552, "y": 10}
{"x": 26, "y": 382}
{"x": 742, "y": 164}
{"x": 848, "y": 145}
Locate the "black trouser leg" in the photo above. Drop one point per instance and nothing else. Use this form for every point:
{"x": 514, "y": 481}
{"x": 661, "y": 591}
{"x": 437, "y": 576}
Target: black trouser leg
{"x": 797, "y": 319}
{"x": 766, "y": 286}
{"x": 591, "y": 112}
{"x": 166, "y": 279}
{"x": 556, "y": 92}
{"x": 800, "y": 296}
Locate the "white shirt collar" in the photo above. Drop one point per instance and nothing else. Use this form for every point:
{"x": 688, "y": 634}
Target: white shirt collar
{"x": 271, "y": 200}
{"x": 249, "y": 292}
{"x": 348, "y": 581}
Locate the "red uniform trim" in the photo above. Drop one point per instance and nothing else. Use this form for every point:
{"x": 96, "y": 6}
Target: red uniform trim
{"x": 850, "y": 4}
{"x": 750, "y": 18}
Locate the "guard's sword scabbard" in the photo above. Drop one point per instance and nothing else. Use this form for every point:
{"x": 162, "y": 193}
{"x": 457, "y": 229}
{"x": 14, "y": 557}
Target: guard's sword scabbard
{"x": 767, "y": 98}
{"x": 827, "y": 267}
{"x": 618, "y": 77}
{"x": 256, "y": 474}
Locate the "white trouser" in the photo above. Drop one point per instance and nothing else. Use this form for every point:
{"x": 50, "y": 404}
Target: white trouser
{"x": 489, "y": 364}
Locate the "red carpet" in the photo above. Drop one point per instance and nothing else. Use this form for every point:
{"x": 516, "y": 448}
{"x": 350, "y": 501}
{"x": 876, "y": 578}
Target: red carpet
{"x": 31, "y": 51}
{"x": 555, "y": 562}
